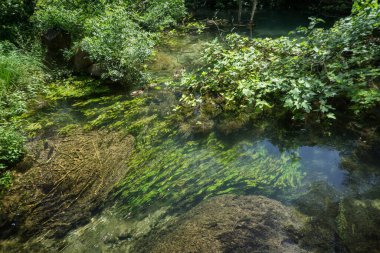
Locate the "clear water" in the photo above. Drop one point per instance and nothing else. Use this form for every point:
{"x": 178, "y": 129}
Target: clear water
{"x": 312, "y": 170}
{"x": 177, "y": 174}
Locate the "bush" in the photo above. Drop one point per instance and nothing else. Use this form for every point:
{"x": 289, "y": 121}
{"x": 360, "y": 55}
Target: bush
{"x": 57, "y": 16}
{"x": 161, "y": 14}
{"x": 11, "y": 146}
{"x": 113, "y": 33}
{"x": 21, "y": 79}
{"x": 118, "y": 44}
{"x": 14, "y": 17}
{"x": 305, "y": 75}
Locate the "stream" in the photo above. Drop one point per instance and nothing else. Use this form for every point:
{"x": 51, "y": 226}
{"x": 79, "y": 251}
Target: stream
{"x": 329, "y": 177}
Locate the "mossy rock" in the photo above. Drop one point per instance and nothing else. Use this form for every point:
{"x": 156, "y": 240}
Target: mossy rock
{"x": 230, "y": 223}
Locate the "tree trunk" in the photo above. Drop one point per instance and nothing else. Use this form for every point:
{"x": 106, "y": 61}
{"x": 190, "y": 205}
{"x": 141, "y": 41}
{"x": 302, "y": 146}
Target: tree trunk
{"x": 254, "y": 7}
{"x": 240, "y": 4}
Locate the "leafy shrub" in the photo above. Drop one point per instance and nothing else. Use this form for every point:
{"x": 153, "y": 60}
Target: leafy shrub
{"x": 11, "y": 146}
{"x": 161, "y": 14}
{"x": 113, "y": 33}
{"x": 59, "y": 16}
{"x": 11, "y": 150}
{"x": 21, "y": 79}
{"x": 14, "y": 15}
{"x": 303, "y": 75}
{"x": 118, "y": 44}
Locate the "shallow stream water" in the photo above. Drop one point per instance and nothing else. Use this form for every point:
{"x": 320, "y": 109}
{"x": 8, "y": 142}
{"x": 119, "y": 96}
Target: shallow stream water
{"x": 326, "y": 175}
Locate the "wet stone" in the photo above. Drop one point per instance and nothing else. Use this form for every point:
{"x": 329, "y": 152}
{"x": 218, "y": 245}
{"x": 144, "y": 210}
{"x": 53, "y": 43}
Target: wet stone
{"x": 230, "y": 223}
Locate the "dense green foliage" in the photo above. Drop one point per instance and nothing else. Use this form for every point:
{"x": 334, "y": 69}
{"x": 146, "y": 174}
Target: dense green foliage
{"x": 117, "y": 35}
{"x": 117, "y": 43}
{"x": 14, "y": 17}
{"x": 21, "y": 79}
{"x": 11, "y": 146}
{"x": 306, "y": 75}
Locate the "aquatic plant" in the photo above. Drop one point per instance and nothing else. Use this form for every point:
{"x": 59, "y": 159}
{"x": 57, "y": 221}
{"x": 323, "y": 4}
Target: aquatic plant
{"x": 78, "y": 87}
{"x": 341, "y": 221}
{"x": 168, "y": 167}
{"x": 64, "y": 179}
{"x": 183, "y": 172}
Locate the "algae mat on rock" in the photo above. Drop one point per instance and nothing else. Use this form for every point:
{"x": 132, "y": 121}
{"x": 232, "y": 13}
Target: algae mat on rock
{"x": 61, "y": 182}
{"x": 230, "y": 223}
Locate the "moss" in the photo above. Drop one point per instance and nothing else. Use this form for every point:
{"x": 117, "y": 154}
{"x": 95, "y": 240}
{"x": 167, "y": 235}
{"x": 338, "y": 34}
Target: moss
{"x": 54, "y": 112}
{"x": 75, "y": 88}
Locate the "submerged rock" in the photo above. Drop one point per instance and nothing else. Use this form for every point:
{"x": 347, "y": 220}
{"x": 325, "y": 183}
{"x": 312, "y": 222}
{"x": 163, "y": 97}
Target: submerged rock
{"x": 358, "y": 223}
{"x": 231, "y": 223}
{"x": 68, "y": 179}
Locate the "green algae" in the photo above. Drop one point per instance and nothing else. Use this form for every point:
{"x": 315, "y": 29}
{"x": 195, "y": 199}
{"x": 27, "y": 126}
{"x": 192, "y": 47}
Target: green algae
{"x": 341, "y": 220}
{"x": 111, "y": 112}
{"x": 169, "y": 168}
{"x": 184, "y": 172}
{"x": 54, "y": 112}
{"x": 172, "y": 168}
{"x": 79, "y": 87}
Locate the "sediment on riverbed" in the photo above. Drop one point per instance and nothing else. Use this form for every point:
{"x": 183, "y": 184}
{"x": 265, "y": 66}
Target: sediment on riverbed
{"x": 62, "y": 181}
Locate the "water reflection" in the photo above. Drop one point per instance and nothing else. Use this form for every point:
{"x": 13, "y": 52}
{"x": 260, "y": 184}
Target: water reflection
{"x": 322, "y": 164}
{"x": 178, "y": 175}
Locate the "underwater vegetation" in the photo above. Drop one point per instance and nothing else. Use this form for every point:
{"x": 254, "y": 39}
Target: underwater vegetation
{"x": 62, "y": 181}
{"x": 186, "y": 172}
{"x": 174, "y": 171}
{"x": 170, "y": 167}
